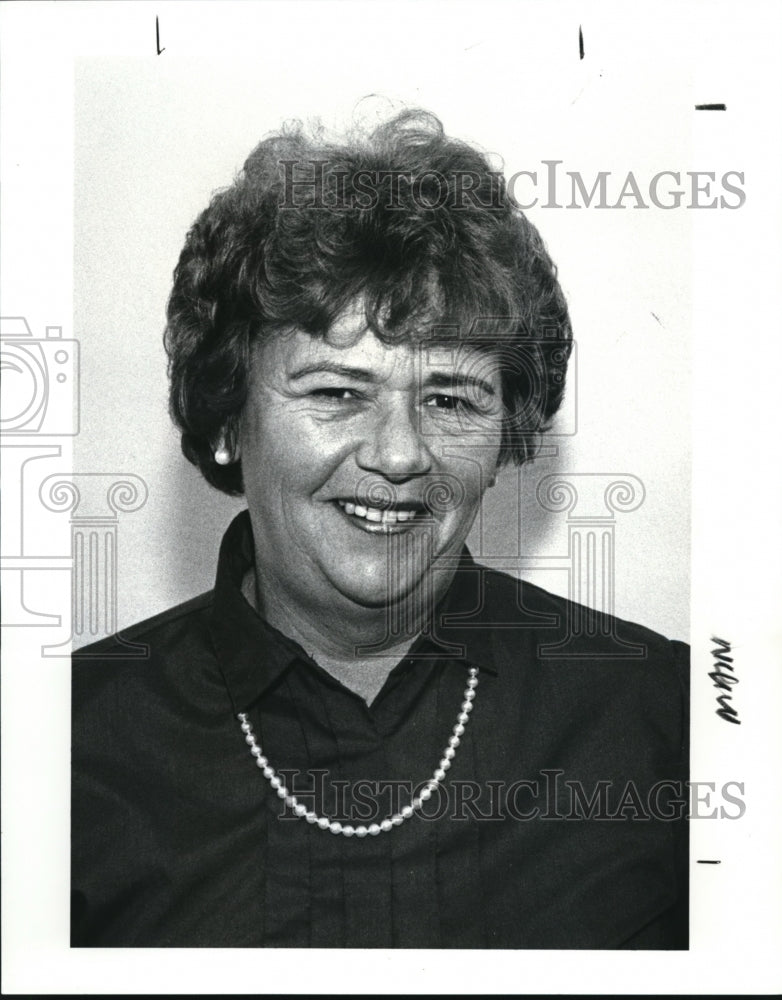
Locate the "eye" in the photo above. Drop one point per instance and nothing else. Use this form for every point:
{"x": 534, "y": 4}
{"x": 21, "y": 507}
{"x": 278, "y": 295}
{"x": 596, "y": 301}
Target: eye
{"x": 443, "y": 401}
{"x": 334, "y": 392}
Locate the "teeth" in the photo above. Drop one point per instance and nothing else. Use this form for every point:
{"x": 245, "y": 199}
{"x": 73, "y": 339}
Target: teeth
{"x": 377, "y": 515}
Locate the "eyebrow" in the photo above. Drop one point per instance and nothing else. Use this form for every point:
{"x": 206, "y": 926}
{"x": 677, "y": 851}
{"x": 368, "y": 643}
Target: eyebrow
{"x": 435, "y": 380}
{"x": 442, "y": 380}
{"x": 332, "y": 368}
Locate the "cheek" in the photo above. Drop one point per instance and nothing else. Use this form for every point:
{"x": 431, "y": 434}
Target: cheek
{"x": 289, "y": 454}
{"x": 468, "y": 478}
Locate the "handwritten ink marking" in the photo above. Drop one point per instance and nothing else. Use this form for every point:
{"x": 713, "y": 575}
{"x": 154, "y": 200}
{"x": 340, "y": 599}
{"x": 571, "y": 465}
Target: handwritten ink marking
{"x": 723, "y": 681}
{"x": 711, "y": 107}
{"x": 157, "y": 37}
{"x": 580, "y": 43}
{"x": 656, "y": 317}
{"x": 709, "y": 862}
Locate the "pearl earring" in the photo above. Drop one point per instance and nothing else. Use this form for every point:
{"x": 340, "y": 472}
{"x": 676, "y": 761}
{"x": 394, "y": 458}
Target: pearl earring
{"x": 222, "y": 455}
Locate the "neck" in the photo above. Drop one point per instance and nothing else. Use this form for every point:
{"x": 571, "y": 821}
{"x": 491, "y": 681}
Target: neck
{"x": 352, "y": 643}
{"x": 348, "y": 632}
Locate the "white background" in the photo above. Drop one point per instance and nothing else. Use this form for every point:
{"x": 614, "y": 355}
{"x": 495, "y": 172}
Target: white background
{"x": 105, "y": 165}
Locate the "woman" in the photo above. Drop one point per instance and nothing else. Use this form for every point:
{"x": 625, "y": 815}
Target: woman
{"x": 361, "y": 738}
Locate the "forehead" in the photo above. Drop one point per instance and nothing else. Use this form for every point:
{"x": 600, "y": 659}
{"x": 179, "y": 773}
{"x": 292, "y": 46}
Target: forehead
{"x": 350, "y": 344}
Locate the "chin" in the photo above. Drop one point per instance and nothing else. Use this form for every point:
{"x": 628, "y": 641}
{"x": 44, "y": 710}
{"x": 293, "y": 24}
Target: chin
{"x": 370, "y": 587}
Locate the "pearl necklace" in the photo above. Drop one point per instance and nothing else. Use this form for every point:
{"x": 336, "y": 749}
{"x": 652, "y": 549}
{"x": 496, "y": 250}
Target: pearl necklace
{"x": 323, "y": 822}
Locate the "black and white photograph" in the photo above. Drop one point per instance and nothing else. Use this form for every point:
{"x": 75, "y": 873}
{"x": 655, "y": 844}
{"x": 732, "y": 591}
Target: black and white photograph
{"x": 384, "y": 488}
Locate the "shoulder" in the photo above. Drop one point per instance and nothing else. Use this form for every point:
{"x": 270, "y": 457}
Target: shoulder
{"x": 589, "y": 671}
{"x": 152, "y": 630}
{"x": 513, "y": 595}
{"x": 145, "y": 655}
{"x": 569, "y": 632}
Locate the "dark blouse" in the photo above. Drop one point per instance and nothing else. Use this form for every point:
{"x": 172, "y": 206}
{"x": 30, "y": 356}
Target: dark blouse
{"x": 560, "y": 824}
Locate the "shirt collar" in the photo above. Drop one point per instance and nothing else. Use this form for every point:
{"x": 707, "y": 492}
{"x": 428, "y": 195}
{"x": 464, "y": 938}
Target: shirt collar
{"x": 253, "y": 655}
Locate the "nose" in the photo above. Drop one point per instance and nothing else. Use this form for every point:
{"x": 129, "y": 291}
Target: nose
{"x": 394, "y": 445}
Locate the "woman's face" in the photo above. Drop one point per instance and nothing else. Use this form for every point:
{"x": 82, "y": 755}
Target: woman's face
{"x": 364, "y": 464}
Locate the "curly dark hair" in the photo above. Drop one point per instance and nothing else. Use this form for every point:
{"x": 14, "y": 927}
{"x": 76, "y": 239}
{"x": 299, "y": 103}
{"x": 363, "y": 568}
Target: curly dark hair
{"x": 413, "y": 222}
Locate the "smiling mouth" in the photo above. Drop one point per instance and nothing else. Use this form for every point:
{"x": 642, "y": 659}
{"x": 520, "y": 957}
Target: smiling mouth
{"x": 400, "y": 517}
